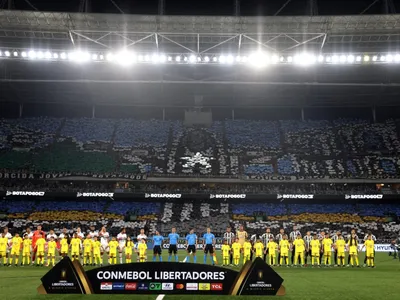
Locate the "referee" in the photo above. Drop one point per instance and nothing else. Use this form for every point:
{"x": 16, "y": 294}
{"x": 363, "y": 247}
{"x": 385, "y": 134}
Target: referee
{"x": 265, "y": 239}
{"x": 365, "y": 238}
{"x": 293, "y": 235}
{"x": 279, "y": 238}
{"x": 229, "y": 237}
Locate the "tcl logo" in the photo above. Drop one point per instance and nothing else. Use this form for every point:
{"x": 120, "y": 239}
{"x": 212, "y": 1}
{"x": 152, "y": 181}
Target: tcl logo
{"x": 216, "y": 287}
{"x": 131, "y": 286}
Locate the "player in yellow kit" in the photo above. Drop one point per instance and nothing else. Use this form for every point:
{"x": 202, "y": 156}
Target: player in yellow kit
{"x": 142, "y": 249}
{"x": 236, "y": 248}
{"x": 272, "y": 247}
{"x": 75, "y": 247}
{"x": 97, "y": 251}
{"x": 315, "y": 246}
{"x": 369, "y": 244}
{"x": 226, "y": 251}
{"x": 87, "y": 250}
{"x": 64, "y": 247}
{"x": 16, "y": 244}
{"x": 3, "y": 248}
{"x": 128, "y": 250}
{"x": 259, "y": 249}
{"x": 327, "y": 247}
{"x": 340, "y": 248}
{"x": 51, "y": 252}
{"x": 353, "y": 251}
{"x": 284, "y": 250}
{"x": 112, "y": 247}
{"x": 26, "y": 250}
{"x": 40, "y": 243}
{"x": 300, "y": 247}
{"x": 247, "y": 247}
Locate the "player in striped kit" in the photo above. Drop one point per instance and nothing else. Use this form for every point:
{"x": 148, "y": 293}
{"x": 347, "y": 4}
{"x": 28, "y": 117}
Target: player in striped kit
{"x": 307, "y": 240}
{"x": 121, "y": 237}
{"x": 265, "y": 237}
{"x": 292, "y": 237}
{"x": 229, "y": 238}
{"x": 321, "y": 237}
{"x": 373, "y": 237}
{"x": 335, "y": 237}
{"x": 279, "y": 238}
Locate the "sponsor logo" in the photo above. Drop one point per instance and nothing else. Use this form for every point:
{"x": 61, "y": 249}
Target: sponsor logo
{"x": 204, "y": 286}
{"x": 191, "y": 286}
{"x": 227, "y": 196}
{"x": 179, "y": 286}
{"x": 176, "y": 196}
{"x": 363, "y": 197}
{"x": 118, "y": 286}
{"x": 167, "y": 286}
{"x": 143, "y": 286}
{"x": 94, "y": 194}
{"x": 24, "y": 193}
{"x": 216, "y": 286}
{"x": 106, "y": 286}
{"x": 155, "y": 286}
{"x": 294, "y": 196}
{"x": 131, "y": 286}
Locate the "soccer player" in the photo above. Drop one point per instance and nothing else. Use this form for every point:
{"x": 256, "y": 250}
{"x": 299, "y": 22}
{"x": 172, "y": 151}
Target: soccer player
{"x": 3, "y": 248}
{"x": 157, "y": 240}
{"x": 353, "y": 253}
{"x": 253, "y": 241}
{"x": 299, "y": 248}
{"x": 112, "y": 254}
{"x": 241, "y": 235}
{"x": 39, "y": 250}
{"x": 37, "y": 234}
{"x": 327, "y": 247}
{"x": 191, "y": 245}
{"x": 93, "y": 232}
{"x": 259, "y": 248}
{"x": 98, "y": 259}
{"x": 284, "y": 246}
{"x": 334, "y": 240}
{"x": 26, "y": 250}
{"x": 365, "y": 239}
{"x": 279, "y": 237}
{"x": 208, "y": 244}
{"x": 104, "y": 237}
{"x": 79, "y": 233}
{"x": 51, "y": 251}
{"x": 16, "y": 244}
{"x": 307, "y": 240}
{"x": 51, "y": 235}
{"x": 247, "y": 248}
{"x": 121, "y": 237}
{"x": 340, "y": 249}
{"x": 315, "y": 246}
{"x": 141, "y": 236}
{"x": 271, "y": 250}
{"x": 226, "y": 251}
{"x": 7, "y": 235}
{"x": 321, "y": 237}
{"x": 128, "y": 250}
{"x": 64, "y": 245}
{"x": 236, "y": 248}
{"x": 229, "y": 237}
{"x": 142, "y": 249}
{"x": 266, "y": 237}
{"x": 87, "y": 251}
{"x": 173, "y": 238}
{"x": 75, "y": 247}
{"x": 369, "y": 244}
{"x": 292, "y": 237}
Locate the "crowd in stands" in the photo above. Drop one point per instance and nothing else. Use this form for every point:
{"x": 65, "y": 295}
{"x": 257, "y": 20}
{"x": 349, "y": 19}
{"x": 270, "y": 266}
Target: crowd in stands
{"x": 344, "y": 148}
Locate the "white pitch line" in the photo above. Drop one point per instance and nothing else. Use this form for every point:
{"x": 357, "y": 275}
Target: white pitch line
{"x": 160, "y": 297}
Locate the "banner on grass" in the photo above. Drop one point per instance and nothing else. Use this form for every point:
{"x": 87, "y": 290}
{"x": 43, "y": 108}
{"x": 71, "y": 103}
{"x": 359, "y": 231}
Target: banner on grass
{"x": 255, "y": 278}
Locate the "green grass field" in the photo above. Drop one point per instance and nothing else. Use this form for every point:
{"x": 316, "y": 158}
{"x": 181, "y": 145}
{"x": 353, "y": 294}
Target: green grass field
{"x": 301, "y": 283}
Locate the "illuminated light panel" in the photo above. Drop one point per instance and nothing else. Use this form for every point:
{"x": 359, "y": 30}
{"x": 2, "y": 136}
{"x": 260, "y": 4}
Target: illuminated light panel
{"x": 350, "y": 58}
{"x": 7, "y": 53}
{"x": 63, "y": 55}
{"x": 342, "y": 58}
{"x": 366, "y": 58}
{"x": 206, "y": 59}
{"x": 230, "y": 59}
{"x": 374, "y": 58}
{"x": 335, "y": 59}
{"x": 15, "y": 53}
{"x": 389, "y": 58}
{"x": 397, "y": 58}
{"x": 178, "y": 58}
{"x": 192, "y": 59}
{"x": 23, "y": 54}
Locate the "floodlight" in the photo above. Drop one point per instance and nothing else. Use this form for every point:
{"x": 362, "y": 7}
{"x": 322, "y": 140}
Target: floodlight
{"x": 383, "y": 58}
{"x": 101, "y": 56}
{"x": 258, "y": 59}
{"x": 222, "y": 59}
{"x": 230, "y": 59}
{"x": 289, "y": 59}
{"x": 321, "y": 58}
{"x": 110, "y": 57}
{"x": 238, "y": 58}
{"x": 15, "y": 53}
{"x": 192, "y": 58}
{"x": 178, "y": 58}
{"x": 198, "y": 59}
{"x": 47, "y": 54}
{"x": 140, "y": 58}
{"x": 55, "y": 55}
{"x": 40, "y": 54}
{"x": 366, "y": 58}
{"x": 245, "y": 59}
{"x": 1, "y": 53}
{"x": 206, "y": 59}
{"x": 124, "y": 58}
{"x": 146, "y": 58}
{"x": 342, "y": 58}
{"x": 23, "y": 54}
{"x": 81, "y": 56}
{"x": 169, "y": 58}
{"x": 94, "y": 56}
{"x": 215, "y": 59}
{"x": 155, "y": 58}
{"x": 389, "y": 58}
{"x": 63, "y": 55}
{"x": 32, "y": 54}
{"x": 397, "y": 58}
{"x": 350, "y": 58}
{"x": 335, "y": 59}
{"x": 163, "y": 58}
{"x": 185, "y": 58}
{"x": 328, "y": 59}
{"x": 275, "y": 59}
{"x": 7, "y": 53}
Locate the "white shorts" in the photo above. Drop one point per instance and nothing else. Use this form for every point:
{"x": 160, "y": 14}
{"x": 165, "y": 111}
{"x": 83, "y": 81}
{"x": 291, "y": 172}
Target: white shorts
{"x": 104, "y": 247}
{"x": 121, "y": 247}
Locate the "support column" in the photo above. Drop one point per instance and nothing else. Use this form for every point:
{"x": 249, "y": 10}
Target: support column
{"x": 373, "y": 114}
{"x": 21, "y": 109}
{"x": 93, "y": 111}
{"x": 163, "y": 114}
{"x": 302, "y": 113}
{"x": 233, "y": 114}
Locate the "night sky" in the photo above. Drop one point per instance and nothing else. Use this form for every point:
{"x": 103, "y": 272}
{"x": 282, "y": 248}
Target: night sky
{"x": 209, "y": 7}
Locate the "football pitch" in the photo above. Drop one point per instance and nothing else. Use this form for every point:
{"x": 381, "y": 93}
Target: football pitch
{"x": 300, "y": 283}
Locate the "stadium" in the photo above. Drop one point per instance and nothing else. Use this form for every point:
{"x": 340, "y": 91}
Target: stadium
{"x": 156, "y": 131}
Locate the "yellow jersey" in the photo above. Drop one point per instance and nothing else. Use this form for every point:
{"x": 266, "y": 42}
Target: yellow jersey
{"x": 226, "y": 249}
{"x": 340, "y": 245}
{"x": 369, "y": 246}
{"x": 259, "y": 247}
{"x": 16, "y": 243}
{"x": 247, "y": 248}
{"x": 315, "y": 246}
{"x": 40, "y": 244}
{"x": 51, "y": 247}
{"x": 327, "y": 243}
{"x": 299, "y": 245}
{"x": 75, "y": 245}
{"x": 87, "y": 245}
{"x": 64, "y": 245}
{"x": 96, "y": 247}
{"x": 284, "y": 246}
{"x": 113, "y": 245}
{"x": 142, "y": 247}
{"x": 26, "y": 248}
{"x": 128, "y": 247}
{"x": 3, "y": 244}
{"x": 241, "y": 235}
{"x": 271, "y": 246}
{"x": 236, "y": 247}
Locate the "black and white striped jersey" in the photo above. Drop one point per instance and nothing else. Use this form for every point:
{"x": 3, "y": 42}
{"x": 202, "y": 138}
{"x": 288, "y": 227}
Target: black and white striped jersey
{"x": 373, "y": 237}
{"x": 293, "y": 235}
{"x": 334, "y": 238}
{"x": 307, "y": 240}
{"x": 265, "y": 238}
{"x": 279, "y": 237}
{"x": 229, "y": 237}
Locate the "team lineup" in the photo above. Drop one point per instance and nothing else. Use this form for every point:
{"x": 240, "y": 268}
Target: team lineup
{"x": 323, "y": 249}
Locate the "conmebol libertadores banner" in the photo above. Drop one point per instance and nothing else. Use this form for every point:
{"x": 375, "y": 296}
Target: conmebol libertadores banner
{"x": 255, "y": 278}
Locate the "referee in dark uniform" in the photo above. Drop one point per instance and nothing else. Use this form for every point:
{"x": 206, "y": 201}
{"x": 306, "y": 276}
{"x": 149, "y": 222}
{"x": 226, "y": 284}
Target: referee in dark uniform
{"x": 279, "y": 237}
{"x": 293, "y": 235}
{"x": 265, "y": 239}
{"x": 229, "y": 237}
